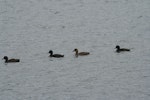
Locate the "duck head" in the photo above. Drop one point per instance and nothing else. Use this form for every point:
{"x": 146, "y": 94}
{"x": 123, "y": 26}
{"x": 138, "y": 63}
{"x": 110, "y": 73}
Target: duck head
{"x": 117, "y": 47}
{"x": 51, "y": 52}
{"x": 75, "y": 50}
{"x": 5, "y": 57}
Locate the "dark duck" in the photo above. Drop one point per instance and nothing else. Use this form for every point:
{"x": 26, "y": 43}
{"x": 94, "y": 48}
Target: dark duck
{"x": 10, "y": 60}
{"x": 77, "y": 53}
{"x": 55, "y": 55}
{"x": 118, "y": 49}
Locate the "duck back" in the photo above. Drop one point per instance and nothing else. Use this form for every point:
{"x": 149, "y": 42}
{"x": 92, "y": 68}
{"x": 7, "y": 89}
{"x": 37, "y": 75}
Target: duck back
{"x": 57, "y": 55}
{"x": 83, "y": 53}
{"x": 13, "y": 60}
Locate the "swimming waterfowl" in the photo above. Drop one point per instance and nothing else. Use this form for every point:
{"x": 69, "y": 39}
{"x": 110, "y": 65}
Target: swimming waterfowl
{"x": 55, "y": 55}
{"x": 10, "y": 60}
{"x": 80, "y": 53}
{"x": 121, "y": 49}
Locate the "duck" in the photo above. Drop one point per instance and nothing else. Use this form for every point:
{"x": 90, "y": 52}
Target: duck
{"x": 55, "y": 55}
{"x": 77, "y": 53}
{"x": 121, "y": 49}
{"x": 10, "y": 60}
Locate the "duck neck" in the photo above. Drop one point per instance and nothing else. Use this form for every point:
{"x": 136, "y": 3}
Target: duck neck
{"x": 118, "y": 50}
{"x": 76, "y": 52}
{"x": 6, "y": 60}
{"x": 51, "y": 54}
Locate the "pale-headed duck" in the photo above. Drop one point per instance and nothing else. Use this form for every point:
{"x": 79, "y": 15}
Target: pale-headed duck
{"x": 77, "y": 53}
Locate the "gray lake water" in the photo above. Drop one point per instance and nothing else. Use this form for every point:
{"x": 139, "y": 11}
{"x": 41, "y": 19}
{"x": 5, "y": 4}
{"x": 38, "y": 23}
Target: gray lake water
{"x": 30, "y": 28}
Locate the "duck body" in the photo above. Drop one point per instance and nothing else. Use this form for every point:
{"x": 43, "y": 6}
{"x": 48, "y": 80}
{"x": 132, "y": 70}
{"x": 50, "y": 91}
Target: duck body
{"x": 55, "y": 55}
{"x": 10, "y": 60}
{"x": 121, "y": 49}
{"x": 80, "y": 53}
